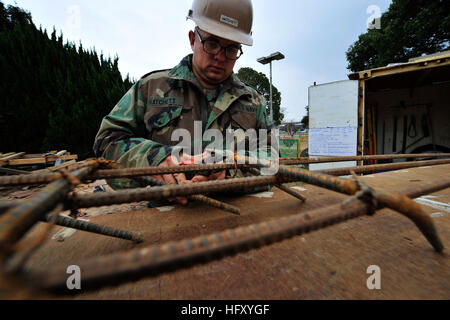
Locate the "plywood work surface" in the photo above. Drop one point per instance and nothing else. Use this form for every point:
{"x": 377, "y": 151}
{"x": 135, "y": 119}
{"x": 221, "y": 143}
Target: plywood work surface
{"x": 330, "y": 263}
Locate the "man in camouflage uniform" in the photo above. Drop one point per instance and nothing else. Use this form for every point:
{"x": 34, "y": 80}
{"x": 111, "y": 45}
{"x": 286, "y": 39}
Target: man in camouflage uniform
{"x": 138, "y": 132}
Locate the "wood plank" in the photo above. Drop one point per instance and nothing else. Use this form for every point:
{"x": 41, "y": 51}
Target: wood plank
{"x": 40, "y": 160}
{"x": 5, "y": 160}
{"x": 63, "y": 158}
{"x": 20, "y": 162}
{"x": 7, "y": 155}
{"x": 55, "y": 168}
{"x": 28, "y": 156}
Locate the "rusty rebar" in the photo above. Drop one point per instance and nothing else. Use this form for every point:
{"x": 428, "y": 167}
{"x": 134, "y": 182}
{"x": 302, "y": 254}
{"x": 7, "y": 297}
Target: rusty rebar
{"x": 44, "y": 178}
{"x": 414, "y": 212}
{"x": 152, "y": 171}
{"x": 310, "y": 160}
{"x": 382, "y": 167}
{"x": 29, "y": 179}
{"x": 345, "y": 186}
{"x": 93, "y": 228}
{"x": 285, "y": 174}
{"x": 396, "y": 202}
{"x": 199, "y": 198}
{"x": 289, "y": 191}
{"x": 18, "y": 220}
{"x": 8, "y": 205}
{"x": 155, "y": 260}
{"x": 169, "y": 191}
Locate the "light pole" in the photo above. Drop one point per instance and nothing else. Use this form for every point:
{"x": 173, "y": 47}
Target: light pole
{"x": 266, "y": 60}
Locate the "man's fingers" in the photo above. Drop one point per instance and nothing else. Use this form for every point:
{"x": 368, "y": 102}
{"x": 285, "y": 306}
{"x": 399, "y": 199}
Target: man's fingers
{"x": 196, "y": 179}
{"x": 173, "y": 178}
{"x": 181, "y": 178}
{"x": 169, "y": 179}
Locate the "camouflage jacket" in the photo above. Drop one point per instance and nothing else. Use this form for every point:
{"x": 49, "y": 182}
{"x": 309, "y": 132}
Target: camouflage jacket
{"x": 138, "y": 131}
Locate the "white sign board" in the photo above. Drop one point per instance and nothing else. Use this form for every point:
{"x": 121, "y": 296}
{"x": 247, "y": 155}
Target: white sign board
{"x": 333, "y": 141}
{"x": 334, "y": 105}
{"x": 333, "y": 122}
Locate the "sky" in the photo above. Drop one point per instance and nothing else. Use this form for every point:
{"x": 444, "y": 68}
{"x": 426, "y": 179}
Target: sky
{"x": 150, "y": 35}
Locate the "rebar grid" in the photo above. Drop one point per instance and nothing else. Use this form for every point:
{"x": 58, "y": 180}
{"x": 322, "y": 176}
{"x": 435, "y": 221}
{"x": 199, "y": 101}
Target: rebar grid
{"x": 310, "y": 160}
{"x": 200, "y": 198}
{"x": 18, "y": 220}
{"x": 156, "y": 260}
{"x": 43, "y": 178}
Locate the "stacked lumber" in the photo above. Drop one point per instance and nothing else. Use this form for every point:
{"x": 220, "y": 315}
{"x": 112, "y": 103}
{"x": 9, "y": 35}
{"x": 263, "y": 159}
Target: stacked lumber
{"x": 54, "y": 160}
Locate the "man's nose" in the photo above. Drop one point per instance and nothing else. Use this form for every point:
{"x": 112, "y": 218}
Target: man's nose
{"x": 221, "y": 56}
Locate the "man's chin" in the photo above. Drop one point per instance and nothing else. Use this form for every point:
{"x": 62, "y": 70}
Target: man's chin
{"x": 216, "y": 79}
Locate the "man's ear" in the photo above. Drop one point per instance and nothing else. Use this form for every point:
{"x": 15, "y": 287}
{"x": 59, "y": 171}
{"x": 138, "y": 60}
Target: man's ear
{"x": 192, "y": 39}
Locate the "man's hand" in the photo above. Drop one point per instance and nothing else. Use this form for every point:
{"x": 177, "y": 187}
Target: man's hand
{"x": 215, "y": 176}
{"x": 177, "y": 178}
{"x": 180, "y": 178}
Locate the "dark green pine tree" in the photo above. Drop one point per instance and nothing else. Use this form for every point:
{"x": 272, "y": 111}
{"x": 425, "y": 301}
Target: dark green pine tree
{"x": 54, "y": 94}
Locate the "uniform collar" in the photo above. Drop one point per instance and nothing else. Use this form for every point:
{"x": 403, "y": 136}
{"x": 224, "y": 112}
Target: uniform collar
{"x": 183, "y": 71}
{"x": 233, "y": 87}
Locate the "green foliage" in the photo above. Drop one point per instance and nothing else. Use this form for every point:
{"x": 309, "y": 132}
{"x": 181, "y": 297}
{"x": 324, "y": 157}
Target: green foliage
{"x": 289, "y": 148}
{"x": 259, "y": 81}
{"x": 410, "y": 28}
{"x": 305, "y": 120}
{"x": 54, "y": 95}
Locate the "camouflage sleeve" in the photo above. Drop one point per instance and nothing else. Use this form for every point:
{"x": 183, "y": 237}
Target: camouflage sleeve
{"x": 122, "y": 135}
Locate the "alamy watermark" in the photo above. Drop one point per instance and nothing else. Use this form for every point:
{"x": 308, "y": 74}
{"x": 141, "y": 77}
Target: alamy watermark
{"x": 73, "y": 22}
{"x": 74, "y": 280}
{"x": 374, "y": 21}
{"x": 374, "y": 281}
{"x": 251, "y": 146}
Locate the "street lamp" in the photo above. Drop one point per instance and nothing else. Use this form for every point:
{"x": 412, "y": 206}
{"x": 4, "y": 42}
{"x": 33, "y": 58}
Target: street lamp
{"x": 266, "y": 60}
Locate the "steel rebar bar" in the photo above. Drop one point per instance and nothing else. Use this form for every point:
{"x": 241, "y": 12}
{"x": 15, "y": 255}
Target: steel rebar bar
{"x": 93, "y": 228}
{"x": 310, "y": 160}
{"x": 289, "y": 191}
{"x": 43, "y": 178}
{"x": 199, "y": 198}
{"x": 151, "y": 171}
{"x": 285, "y": 174}
{"x": 17, "y": 221}
{"x": 169, "y": 191}
{"x": 86, "y": 201}
{"x": 396, "y": 202}
{"x": 155, "y": 260}
{"x": 382, "y": 167}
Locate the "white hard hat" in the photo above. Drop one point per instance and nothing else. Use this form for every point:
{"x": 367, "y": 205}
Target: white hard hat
{"x": 228, "y": 19}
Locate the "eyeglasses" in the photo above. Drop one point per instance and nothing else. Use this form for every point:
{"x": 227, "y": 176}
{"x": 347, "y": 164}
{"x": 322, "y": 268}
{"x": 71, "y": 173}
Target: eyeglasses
{"x": 213, "y": 47}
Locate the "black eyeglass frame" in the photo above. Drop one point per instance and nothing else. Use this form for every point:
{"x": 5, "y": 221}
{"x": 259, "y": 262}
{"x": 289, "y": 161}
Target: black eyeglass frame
{"x": 239, "y": 54}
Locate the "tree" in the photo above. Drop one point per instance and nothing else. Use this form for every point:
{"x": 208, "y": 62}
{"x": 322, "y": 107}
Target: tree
{"x": 54, "y": 95}
{"x": 259, "y": 81}
{"x": 305, "y": 120}
{"x": 410, "y": 28}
